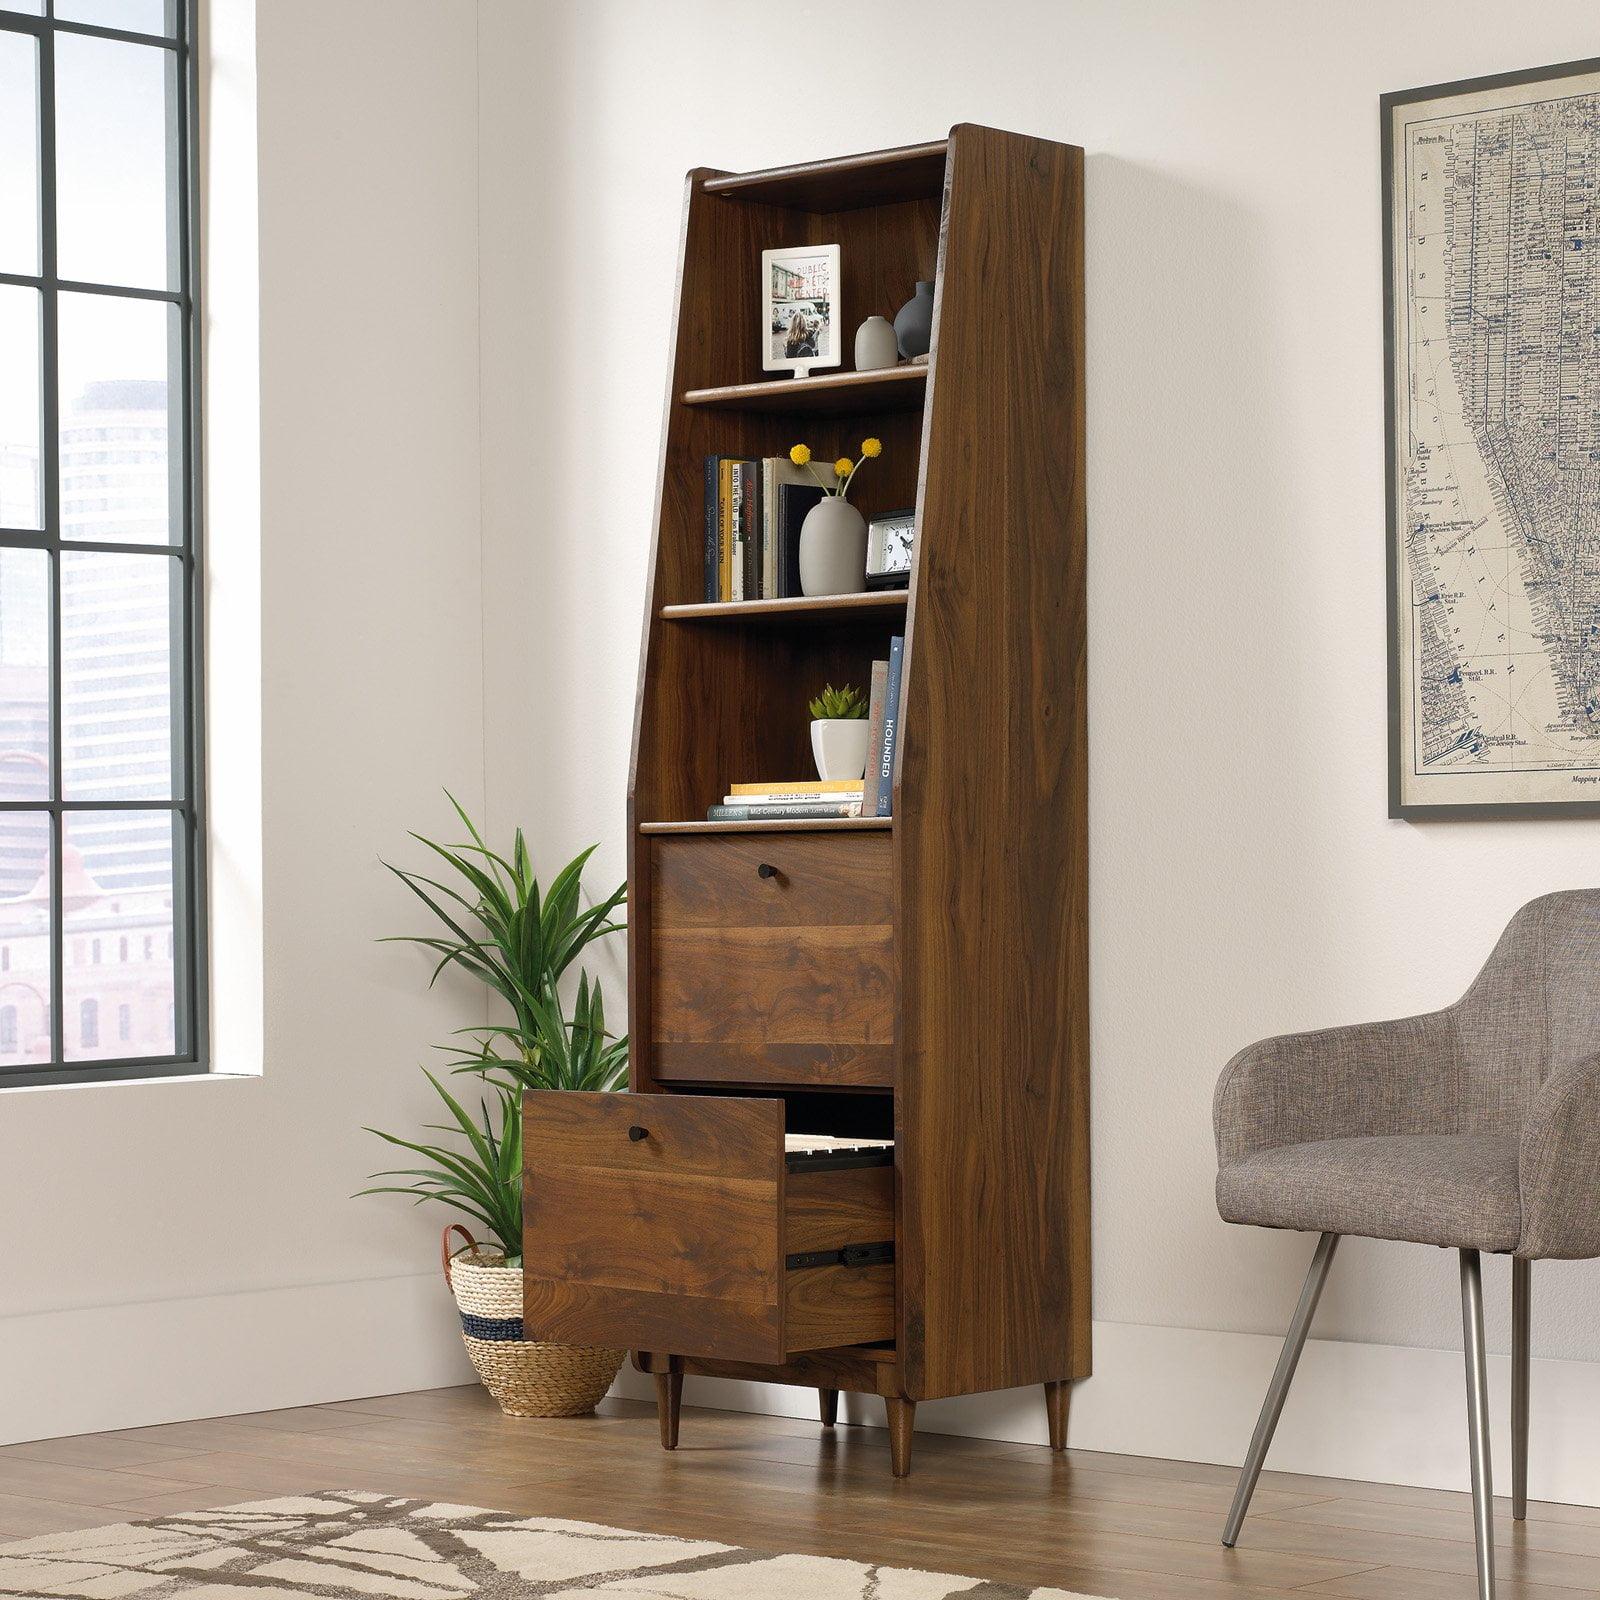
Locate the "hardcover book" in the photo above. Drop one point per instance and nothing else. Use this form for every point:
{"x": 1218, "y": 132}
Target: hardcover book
{"x": 875, "y": 700}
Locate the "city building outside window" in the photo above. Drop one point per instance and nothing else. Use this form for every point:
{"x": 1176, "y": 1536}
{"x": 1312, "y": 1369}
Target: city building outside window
{"x": 101, "y": 815}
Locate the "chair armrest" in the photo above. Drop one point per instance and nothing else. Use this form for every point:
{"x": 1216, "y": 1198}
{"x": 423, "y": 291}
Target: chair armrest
{"x": 1339, "y": 1083}
{"x": 1559, "y": 1166}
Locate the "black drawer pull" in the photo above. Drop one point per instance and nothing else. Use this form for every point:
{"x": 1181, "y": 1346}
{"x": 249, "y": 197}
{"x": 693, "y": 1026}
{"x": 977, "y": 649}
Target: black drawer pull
{"x": 637, "y": 1133}
{"x": 766, "y": 870}
{"x": 852, "y": 1255}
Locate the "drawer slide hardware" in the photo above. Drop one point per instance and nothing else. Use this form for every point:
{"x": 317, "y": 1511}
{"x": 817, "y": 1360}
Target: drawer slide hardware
{"x": 852, "y": 1255}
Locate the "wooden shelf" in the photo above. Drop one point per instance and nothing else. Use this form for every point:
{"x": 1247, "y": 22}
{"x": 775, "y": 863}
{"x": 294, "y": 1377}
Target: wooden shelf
{"x": 806, "y": 609}
{"x": 879, "y": 177}
{"x": 832, "y": 394}
{"x": 797, "y": 825}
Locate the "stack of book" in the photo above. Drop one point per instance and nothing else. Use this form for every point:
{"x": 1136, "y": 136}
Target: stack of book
{"x": 753, "y": 514}
{"x": 783, "y": 800}
{"x": 788, "y": 802}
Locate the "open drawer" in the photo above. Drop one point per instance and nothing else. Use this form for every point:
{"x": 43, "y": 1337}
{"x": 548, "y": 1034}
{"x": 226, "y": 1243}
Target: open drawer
{"x": 673, "y": 1223}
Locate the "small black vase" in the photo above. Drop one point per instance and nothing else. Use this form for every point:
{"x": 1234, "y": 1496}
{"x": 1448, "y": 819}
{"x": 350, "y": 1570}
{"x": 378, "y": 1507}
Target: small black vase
{"x": 913, "y": 323}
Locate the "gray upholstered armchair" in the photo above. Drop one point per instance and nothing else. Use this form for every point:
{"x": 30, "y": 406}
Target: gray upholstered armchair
{"x": 1475, "y": 1128}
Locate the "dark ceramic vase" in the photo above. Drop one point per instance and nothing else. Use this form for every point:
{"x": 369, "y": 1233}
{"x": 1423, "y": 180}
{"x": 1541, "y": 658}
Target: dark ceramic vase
{"x": 913, "y": 323}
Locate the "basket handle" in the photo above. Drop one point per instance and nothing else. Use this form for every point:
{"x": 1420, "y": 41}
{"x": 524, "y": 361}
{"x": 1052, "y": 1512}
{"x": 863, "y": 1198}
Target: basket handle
{"x": 445, "y": 1251}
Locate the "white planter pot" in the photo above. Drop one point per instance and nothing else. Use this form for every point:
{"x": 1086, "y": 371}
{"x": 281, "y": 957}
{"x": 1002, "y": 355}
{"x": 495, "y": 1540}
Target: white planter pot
{"x": 833, "y": 548}
{"x": 839, "y": 745}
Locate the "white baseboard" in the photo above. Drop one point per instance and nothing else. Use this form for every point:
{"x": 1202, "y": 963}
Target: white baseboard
{"x": 126, "y": 1366}
{"x": 1380, "y": 1412}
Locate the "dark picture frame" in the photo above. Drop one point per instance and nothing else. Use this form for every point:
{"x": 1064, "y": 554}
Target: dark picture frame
{"x": 1398, "y": 623}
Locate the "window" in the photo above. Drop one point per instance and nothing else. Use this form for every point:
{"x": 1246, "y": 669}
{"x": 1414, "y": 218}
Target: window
{"x": 101, "y": 842}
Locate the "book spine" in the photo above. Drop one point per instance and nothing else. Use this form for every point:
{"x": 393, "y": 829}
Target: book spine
{"x": 737, "y": 519}
{"x": 845, "y": 786}
{"x": 891, "y": 728}
{"x": 711, "y": 527}
{"x": 780, "y": 813}
{"x": 875, "y": 700}
{"x": 750, "y": 521}
{"x": 724, "y": 528}
{"x": 775, "y": 797}
{"x": 769, "y": 528}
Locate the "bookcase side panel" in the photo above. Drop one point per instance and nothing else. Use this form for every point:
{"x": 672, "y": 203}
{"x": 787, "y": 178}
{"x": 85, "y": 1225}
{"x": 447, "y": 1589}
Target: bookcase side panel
{"x": 991, "y": 805}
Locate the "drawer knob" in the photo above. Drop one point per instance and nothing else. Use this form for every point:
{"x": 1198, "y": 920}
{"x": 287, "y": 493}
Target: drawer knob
{"x": 637, "y": 1133}
{"x": 766, "y": 870}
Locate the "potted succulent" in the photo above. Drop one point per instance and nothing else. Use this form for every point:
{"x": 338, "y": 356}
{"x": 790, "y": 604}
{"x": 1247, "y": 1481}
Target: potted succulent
{"x": 521, "y": 943}
{"x": 839, "y": 733}
{"x": 833, "y": 537}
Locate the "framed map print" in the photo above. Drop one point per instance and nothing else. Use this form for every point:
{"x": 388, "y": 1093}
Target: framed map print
{"x": 1492, "y": 353}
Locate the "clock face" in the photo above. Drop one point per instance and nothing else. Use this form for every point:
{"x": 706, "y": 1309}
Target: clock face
{"x": 889, "y": 548}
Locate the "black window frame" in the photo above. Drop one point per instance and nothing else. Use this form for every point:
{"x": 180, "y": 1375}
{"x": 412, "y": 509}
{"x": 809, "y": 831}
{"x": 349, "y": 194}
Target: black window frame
{"x": 187, "y": 805}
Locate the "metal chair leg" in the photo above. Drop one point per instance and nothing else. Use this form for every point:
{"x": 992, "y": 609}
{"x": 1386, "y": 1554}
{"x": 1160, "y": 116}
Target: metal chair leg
{"x": 1521, "y": 1330}
{"x": 1478, "y": 1419}
{"x": 1278, "y": 1389}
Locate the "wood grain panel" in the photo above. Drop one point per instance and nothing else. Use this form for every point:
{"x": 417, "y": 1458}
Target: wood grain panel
{"x": 720, "y": 1139}
{"x": 673, "y": 1240}
{"x": 798, "y": 1066}
{"x": 762, "y": 985}
{"x": 828, "y": 1210}
{"x": 580, "y": 1313}
{"x": 991, "y": 806}
{"x": 828, "y": 1306}
{"x": 839, "y": 879}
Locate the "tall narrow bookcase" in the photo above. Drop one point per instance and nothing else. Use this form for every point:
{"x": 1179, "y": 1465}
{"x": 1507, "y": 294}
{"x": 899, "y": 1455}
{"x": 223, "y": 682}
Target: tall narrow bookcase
{"x": 922, "y": 977}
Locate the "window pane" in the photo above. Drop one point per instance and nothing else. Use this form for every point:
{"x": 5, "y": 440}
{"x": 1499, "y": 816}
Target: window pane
{"x": 116, "y": 870}
{"x": 24, "y": 675}
{"x": 21, "y": 409}
{"x": 24, "y": 938}
{"x": 114, "y": 158}
{"x": 19, "y": 153}
{"x": 131, "y": 16}
{"x": 119, "y": 657}
{"x": 119, "y": 477}
{"x": 30, "y": 8}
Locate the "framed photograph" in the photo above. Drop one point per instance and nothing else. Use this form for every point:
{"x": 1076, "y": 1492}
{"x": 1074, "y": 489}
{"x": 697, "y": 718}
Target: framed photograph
{"x": 890, "y": 541}
{"x": 1493, "y": 447}
{"x": 800, "y": 309}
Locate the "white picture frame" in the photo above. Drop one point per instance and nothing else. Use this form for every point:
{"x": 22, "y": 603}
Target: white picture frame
{"x": 800, "y": 311}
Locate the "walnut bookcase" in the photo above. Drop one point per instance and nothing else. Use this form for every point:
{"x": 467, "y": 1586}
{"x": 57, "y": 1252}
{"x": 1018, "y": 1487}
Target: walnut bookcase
{"x": 925, "y": 977}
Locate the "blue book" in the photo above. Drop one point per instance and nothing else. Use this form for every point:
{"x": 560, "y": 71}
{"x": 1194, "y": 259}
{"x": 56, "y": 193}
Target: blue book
{"x": 891, "y": 729}
{"x": 713, "y": 554}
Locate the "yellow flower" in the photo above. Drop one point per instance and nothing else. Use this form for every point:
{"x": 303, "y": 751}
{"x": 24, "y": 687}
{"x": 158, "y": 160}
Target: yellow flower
{"x": 842, "y": 467}
{"x": 800, "y": 455}
{"x": 871, "y": 448}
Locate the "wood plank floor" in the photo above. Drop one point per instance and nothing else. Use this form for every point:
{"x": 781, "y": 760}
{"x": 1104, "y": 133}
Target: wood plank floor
{"x": 1121, "y": 1526}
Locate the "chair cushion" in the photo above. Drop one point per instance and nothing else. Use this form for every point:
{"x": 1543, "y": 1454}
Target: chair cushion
{"x": 1457, "y": 1190}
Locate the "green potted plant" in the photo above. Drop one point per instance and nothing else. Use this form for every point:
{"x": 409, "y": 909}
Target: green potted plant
{"x": 839, "y": 733}
{"x": 522, "y": 943}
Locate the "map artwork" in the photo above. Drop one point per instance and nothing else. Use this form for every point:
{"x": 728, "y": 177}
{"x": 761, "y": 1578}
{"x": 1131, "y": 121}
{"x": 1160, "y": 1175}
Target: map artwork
{"x": 1493, "y": 230}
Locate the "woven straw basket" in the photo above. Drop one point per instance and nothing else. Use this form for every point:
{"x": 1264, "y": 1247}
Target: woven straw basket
{"x": 527, "y": 1377}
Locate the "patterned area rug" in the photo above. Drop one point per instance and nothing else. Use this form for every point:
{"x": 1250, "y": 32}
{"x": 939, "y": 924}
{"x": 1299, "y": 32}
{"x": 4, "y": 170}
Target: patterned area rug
{"x": 377, "y": 1547}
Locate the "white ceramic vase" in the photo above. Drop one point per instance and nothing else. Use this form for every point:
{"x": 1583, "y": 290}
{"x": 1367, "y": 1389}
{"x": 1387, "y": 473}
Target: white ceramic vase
{"x": 839, "y": 745}
{"x": 833, "y": 548}
{"x": 876, "y": 345}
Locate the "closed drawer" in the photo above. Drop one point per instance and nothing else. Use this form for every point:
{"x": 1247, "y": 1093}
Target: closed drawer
{"x": 695, "y": 1239}
{"x": 772, "y": 959}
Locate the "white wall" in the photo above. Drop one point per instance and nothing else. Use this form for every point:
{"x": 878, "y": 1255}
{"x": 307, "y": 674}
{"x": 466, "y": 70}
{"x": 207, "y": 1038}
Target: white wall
{"x": 190, "y": 1247}
{"x": 1245, "y": 879}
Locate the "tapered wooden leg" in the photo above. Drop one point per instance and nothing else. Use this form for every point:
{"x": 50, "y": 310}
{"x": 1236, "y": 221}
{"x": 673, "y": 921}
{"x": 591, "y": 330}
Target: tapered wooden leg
{"x": 902, "y": 1415}
{"x": 669, "y": 1402}
{"x": 828, "y": 1402}
{"x": 1057, "y": 1397}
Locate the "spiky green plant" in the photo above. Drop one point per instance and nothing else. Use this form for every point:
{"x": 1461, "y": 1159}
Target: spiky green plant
{"x": 483, "y": 1179}
{"x": 501, "y": 929}
{"x": 847, "y": 703}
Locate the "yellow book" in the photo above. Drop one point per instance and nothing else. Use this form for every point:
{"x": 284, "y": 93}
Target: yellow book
{"x": 725, "y": 534}
{"x": 800, "y": 786}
